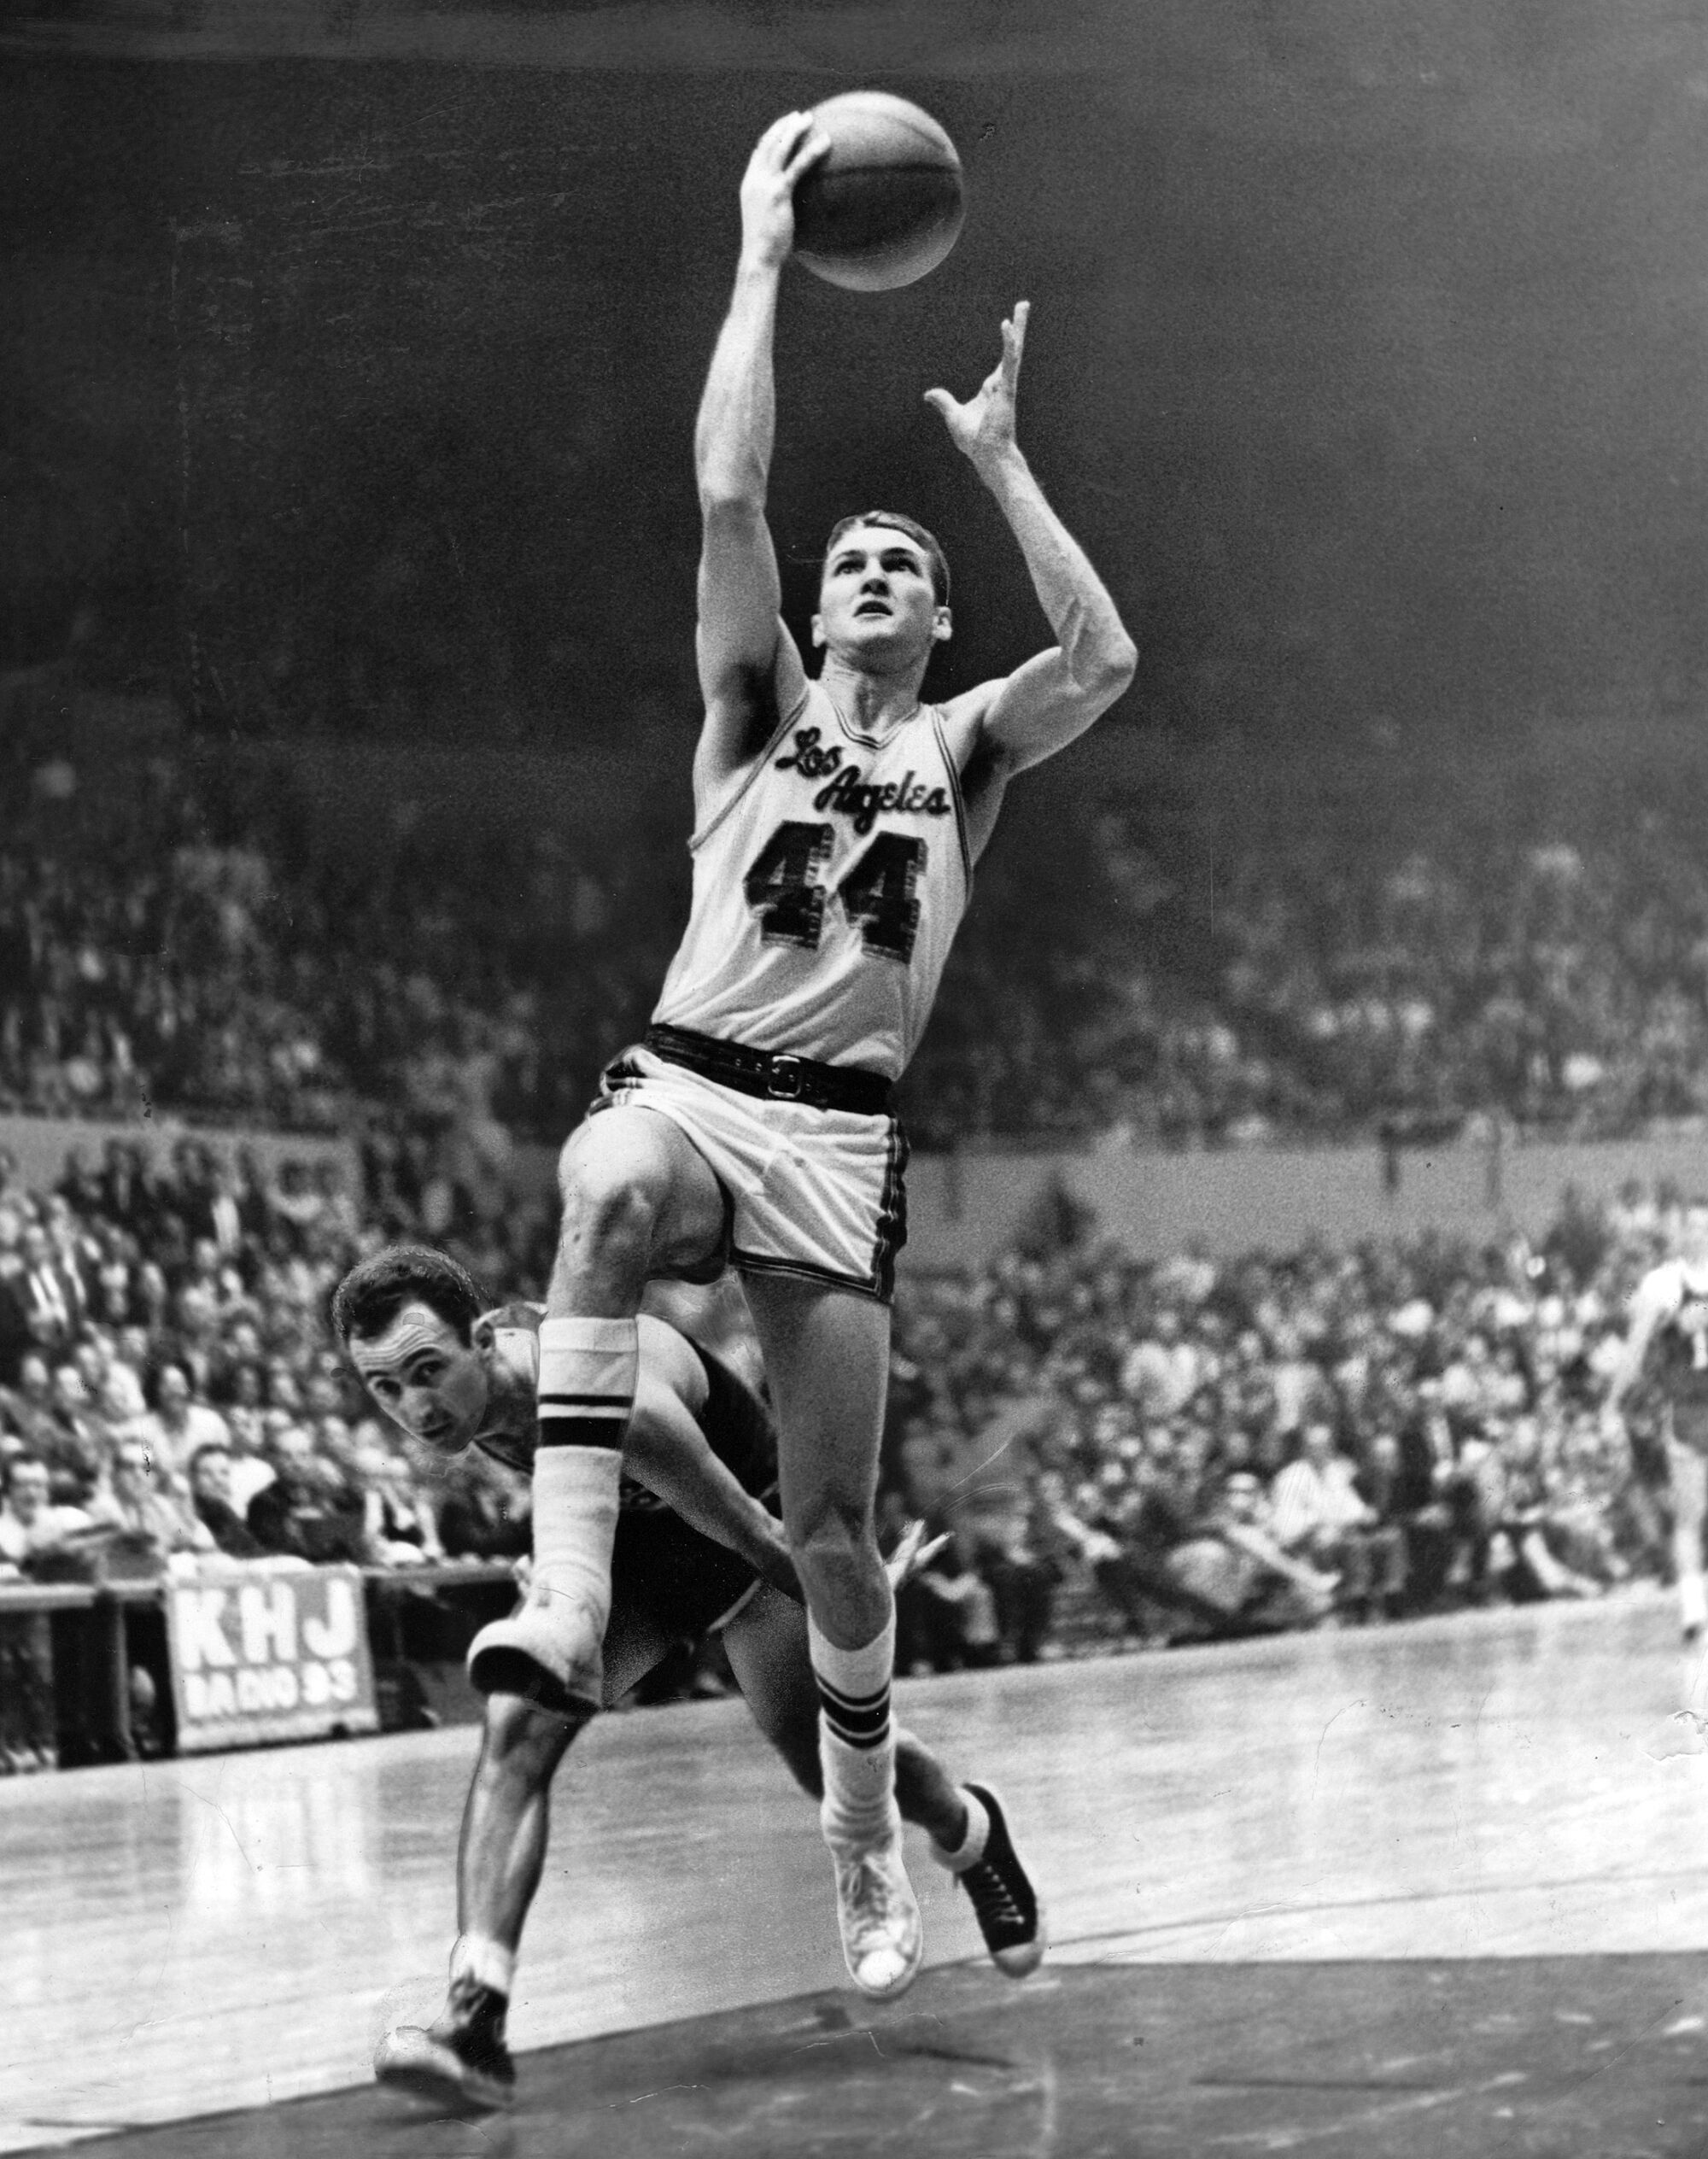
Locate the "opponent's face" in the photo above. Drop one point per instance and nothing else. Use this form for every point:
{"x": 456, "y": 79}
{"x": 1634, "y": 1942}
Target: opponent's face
{"x": 876, "y": 601}
{"x": 425, "y": 1378}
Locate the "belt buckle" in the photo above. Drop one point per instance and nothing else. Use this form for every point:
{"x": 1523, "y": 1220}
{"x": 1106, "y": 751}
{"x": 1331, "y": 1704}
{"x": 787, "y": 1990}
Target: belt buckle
{"x": 786, "y": 1078}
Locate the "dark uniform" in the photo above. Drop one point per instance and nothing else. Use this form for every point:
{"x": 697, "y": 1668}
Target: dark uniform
{"x": 669, "y": 1583}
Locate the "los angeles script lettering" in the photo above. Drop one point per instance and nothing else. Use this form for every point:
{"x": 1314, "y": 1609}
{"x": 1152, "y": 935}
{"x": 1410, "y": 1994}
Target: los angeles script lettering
{"x": 849, "y": 795}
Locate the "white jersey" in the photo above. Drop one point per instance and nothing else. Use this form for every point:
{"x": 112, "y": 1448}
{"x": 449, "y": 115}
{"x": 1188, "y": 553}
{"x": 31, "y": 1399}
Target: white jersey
{"x": 827, "y": 892}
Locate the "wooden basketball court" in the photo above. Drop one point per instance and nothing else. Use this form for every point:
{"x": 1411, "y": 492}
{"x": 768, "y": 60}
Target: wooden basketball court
{"x": 1435, "y": 1889}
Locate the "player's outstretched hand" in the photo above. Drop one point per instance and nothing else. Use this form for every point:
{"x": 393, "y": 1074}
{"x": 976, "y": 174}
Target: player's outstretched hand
{"x": 984, "y": 427}
{"x": 788, "y": 148}
{"x": 912, "y": 1555}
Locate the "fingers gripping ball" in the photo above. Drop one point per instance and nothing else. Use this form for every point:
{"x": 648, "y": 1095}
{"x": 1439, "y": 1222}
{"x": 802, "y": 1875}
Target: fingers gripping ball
{"x": 885, "y": 205}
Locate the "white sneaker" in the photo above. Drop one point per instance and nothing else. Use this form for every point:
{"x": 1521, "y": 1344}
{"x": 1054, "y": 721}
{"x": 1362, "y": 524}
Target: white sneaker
{"x": 883, "y": 1943}
{"x": 551, "y": 1649}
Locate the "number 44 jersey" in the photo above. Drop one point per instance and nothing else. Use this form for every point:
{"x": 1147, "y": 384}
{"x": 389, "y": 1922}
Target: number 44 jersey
{"x": 827, "y": 888}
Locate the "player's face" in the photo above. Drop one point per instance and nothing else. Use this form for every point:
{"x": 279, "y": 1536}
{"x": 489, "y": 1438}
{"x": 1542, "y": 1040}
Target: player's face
{"x": 425, "y": 1378}
{"x": 876, "y": 602}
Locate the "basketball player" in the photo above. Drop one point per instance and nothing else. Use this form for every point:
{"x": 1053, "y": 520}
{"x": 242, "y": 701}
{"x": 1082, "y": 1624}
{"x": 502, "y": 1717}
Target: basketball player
{"x": 837, "y": 824}
{"x": 1668, "y": 1341}
{"x": 411, "y": 1321}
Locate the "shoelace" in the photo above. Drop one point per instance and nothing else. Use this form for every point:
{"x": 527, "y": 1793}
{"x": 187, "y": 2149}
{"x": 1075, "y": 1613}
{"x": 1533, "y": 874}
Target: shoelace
{"x": 992, "y": 1896}
{"x": 872, "y": 1895}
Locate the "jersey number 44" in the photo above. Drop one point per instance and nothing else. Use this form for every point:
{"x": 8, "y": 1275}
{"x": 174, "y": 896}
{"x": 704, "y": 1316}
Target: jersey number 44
{"x": 782, "y": 888}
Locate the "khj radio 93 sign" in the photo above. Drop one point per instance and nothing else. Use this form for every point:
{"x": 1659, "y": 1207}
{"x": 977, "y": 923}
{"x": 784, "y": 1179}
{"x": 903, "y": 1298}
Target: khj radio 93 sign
{"x": 284, "y": 1656}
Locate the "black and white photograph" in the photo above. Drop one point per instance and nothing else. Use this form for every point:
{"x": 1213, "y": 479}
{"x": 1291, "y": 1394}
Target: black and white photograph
{"x": 854, "y": 1079}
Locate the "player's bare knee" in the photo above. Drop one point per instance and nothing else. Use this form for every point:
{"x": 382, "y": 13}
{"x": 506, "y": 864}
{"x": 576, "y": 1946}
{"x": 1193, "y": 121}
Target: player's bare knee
{"x": 612, "y": 1208}
{"x": 522, "y": 1741}
{"x": 834, "y": 1523}
{"x": 836, "y": 1551}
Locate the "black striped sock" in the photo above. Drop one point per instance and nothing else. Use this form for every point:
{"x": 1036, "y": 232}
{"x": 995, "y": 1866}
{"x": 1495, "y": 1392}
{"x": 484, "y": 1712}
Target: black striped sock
{"x": 857, "y": 1720}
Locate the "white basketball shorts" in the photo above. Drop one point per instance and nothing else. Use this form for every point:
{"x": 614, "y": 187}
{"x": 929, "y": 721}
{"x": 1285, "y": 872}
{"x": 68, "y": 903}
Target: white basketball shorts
{"x": 813, "y": 1192}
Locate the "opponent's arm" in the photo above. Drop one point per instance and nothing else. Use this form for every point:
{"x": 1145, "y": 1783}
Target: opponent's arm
{"x": 750, "y": 671}
{"x": 1042, "y": 706}
{"x": 666, "y": 1450}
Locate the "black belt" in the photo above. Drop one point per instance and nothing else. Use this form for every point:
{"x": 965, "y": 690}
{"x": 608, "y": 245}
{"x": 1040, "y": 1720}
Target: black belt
{"x": 777, "y": 1077}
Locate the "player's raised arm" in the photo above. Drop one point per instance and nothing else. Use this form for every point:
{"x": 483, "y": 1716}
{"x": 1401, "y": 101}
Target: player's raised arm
{"x": 749, "y": 669}
{"x": 1042, "y": 705}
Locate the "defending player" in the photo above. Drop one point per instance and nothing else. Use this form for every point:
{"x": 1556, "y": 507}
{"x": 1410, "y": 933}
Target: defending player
{"x": 412, "y": 1323}
{"x": 837, "y": 822}
{"x": 1668, "y": 1341}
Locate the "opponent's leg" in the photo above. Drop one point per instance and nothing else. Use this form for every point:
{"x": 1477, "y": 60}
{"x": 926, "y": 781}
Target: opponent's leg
{"x": 767, "y": 1646}
{"x": 462, "y": 2057}
{"x": 826, "y": 1355}
{"x": 635, "y": 1195}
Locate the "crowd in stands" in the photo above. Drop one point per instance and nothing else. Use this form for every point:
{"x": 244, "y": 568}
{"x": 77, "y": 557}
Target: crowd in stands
{"x": 1198, "y": 1450}
{"x": 181, "y": 940}
{"x": 171, "y": 1400}
{"x": 1114, "y": 1451}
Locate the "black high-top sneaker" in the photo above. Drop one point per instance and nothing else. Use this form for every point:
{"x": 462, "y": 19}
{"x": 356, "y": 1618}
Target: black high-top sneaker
{"x": 460, "y": 2060}
{"x": 1004, "y": 1902}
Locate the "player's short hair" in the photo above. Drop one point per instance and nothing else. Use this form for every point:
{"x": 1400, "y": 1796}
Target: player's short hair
{"x": 915, "y": 531}
{"x": 371, "y": 1294}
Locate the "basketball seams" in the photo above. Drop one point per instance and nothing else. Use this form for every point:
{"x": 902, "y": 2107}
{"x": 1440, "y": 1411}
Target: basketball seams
{"x": 887, "y": 204}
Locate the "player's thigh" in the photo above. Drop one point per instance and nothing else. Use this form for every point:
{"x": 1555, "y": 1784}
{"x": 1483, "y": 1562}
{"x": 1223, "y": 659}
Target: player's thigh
{"x": 827, "y": 1352}
{"x": 766, "y": 1644}
{"x": 629, "y": 1165}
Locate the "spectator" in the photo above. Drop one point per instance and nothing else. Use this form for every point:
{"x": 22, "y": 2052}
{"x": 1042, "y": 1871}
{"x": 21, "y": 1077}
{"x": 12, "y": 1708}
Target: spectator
{"x": 134, "y": 1502}
{"x": 31, "y": 1527}
{"x": 1013, "y": 1554}
{"x": 1319, "y": 1516}
{"x": 957, "y": 1611}
{"x": 1162, "y": 1370}
{"x": 46, "y": 1305}
{"x": 211, "y": 1492}
{"x": 178, "y": 1424}
{"x": 307, "y": 1512}
{"x": 34, "y": 1532}
{"x": 398, "y": 1524}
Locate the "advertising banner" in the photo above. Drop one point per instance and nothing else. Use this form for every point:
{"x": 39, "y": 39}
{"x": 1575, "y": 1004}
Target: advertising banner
{"x": 271, "y": 1657}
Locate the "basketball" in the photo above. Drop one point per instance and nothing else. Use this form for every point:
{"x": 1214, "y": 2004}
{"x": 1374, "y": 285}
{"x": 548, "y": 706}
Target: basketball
{"x": 885, "y": 206}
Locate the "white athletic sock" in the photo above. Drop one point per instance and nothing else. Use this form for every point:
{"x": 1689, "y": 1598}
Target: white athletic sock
{"x": 586, "y": 1394}
{"x": 1693, "y": 1600}
{"x": 585, "y": 1388}
{"x": 575, "y": 1521}
{"x": 484, "y": 1960}
{"x": 971, "y": 1848}
{"x": 857, "y": 1742}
